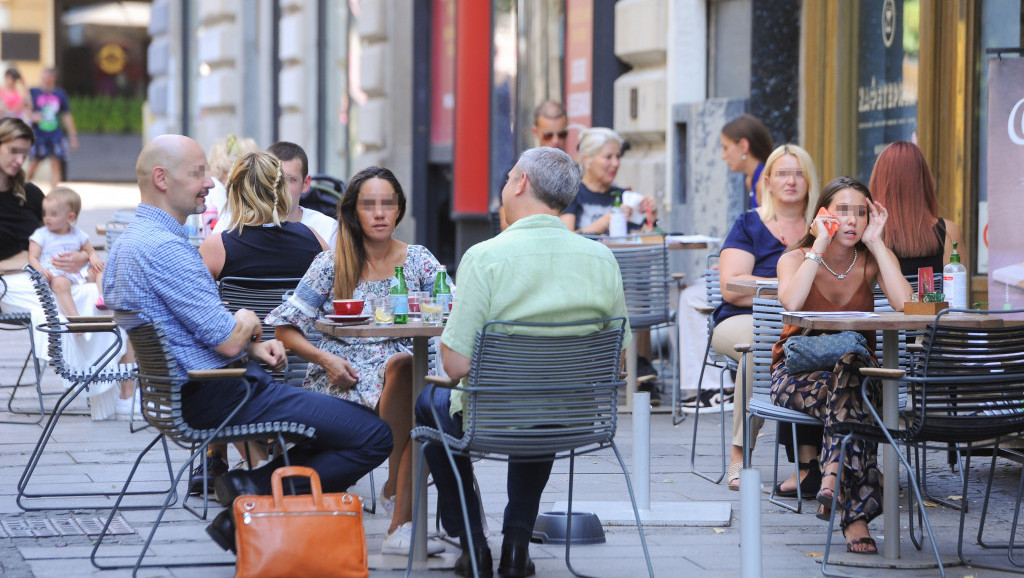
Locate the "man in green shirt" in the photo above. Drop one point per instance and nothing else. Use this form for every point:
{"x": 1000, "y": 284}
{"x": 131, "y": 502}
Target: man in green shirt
{"x": 536, "y": 270}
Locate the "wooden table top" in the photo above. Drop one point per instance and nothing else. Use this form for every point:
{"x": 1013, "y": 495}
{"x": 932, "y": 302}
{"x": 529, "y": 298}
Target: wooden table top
{"x": 889, "y": 320}
{"x": 751, "y": 287}
{"x": 411, "y": 329}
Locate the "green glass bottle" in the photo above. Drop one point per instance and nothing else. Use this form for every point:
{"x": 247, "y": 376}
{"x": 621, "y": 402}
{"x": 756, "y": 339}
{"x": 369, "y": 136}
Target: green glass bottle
{"x": 441, "y": 292}
{"x": 400, "y": 295}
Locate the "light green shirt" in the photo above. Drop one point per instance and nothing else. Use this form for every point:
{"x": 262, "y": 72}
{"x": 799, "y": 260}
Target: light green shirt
{"x": 536, "y": 270}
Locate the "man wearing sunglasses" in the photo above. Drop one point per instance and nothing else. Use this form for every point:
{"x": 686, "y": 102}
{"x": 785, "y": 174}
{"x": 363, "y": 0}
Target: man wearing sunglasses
{"x": 549, "y": 125}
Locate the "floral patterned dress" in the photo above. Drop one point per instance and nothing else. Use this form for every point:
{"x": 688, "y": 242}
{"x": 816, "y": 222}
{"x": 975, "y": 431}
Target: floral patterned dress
{"x": 313, "y": 298}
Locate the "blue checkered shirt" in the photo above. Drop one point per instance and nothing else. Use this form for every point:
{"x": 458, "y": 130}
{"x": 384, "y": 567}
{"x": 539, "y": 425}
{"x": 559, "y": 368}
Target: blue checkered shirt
{"x": 152, "y": 269}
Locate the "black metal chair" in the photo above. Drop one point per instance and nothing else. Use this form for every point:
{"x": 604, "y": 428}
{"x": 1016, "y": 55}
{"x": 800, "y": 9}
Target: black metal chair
{"x": 712, "y": 358}
{"x": 646, "y": 283}
{"x": 81, "y": 378}
{"x": 262, "y": 296}
{"x": 538, "y": 396}
{"x": 161, "y": 381}
{"x": 22, "y": 321}
{"x": 967, "y": 391}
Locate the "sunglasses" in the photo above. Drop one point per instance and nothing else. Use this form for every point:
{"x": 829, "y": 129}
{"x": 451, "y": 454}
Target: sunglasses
{"x": 562, "y": 134}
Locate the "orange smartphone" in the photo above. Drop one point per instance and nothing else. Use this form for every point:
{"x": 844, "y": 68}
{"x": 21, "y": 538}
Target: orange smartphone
{"x": 830, "y": 226}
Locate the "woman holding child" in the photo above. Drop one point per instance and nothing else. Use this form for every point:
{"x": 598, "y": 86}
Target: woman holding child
{"x": 826, "y": 272}
{"x": 376, "y": 373}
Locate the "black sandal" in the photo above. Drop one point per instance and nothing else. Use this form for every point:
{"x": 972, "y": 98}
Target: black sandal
{"x": 825, "y": 500}
{"x": 809, "y": 485}
{"x": 865, "y": 541}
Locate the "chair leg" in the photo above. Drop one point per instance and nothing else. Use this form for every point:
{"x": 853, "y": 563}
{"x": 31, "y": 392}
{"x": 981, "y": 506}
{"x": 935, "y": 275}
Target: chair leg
{"x": 168, "y": 501}
{"x": 916, "y": 499}
{"x": 636, "y": 513}
{"x": 63, "y": 403}
{"x": 373, "y": 497}
{"x": 462, "y": 504}
{"x": 775, "y": 477}
{"x": 696, "y": 420}
{"x": 31, "y": 356}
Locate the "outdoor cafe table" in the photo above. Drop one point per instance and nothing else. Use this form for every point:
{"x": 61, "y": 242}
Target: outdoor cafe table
{"x": 890, "y": 323}
{"x": 420, "y": 335}
{"x": 672, "y": 243}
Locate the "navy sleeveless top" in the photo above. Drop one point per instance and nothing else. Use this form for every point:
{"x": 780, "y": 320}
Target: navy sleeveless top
{"x": 269, "y": 251}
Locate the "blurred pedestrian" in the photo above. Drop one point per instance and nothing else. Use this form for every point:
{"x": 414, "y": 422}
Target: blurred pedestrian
{"x": 14, "y": 95}
{"x": 50, "y": 108}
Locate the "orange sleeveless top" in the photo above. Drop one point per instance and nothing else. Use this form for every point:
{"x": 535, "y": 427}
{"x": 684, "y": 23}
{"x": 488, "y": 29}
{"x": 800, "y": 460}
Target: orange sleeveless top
{"x": 863, "y": 300}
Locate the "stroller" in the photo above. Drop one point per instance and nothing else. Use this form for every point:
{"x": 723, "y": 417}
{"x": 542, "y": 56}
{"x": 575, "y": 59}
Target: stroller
{"x": 323, "y": 195}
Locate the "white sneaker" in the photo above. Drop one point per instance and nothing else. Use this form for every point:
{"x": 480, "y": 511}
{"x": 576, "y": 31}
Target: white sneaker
{"x": 399, "y": 542}
{"x": 123, "y": 407}
{"x": 388, "y": 504}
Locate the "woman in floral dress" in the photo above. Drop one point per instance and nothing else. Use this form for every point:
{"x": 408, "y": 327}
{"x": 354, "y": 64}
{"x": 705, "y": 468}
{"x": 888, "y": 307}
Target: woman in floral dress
{"x": 373, "y": 372}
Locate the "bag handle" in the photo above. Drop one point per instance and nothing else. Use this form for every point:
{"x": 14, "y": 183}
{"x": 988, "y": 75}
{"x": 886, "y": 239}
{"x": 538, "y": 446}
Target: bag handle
{"x": 299, "y": 472}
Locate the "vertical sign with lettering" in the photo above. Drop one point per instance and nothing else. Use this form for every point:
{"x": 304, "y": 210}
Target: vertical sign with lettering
{"x": 1003, "y": 232}
{"x": 886, "y": 79}
{"x": 579, "y": 66}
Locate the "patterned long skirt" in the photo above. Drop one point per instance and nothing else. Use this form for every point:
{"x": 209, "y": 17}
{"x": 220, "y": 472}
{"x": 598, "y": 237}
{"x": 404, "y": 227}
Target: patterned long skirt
{"x": 835, "y": 396}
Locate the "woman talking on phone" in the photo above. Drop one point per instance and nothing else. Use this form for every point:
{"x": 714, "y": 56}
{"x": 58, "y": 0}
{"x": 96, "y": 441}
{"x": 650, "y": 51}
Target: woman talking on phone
{"x": 835, "y": 270}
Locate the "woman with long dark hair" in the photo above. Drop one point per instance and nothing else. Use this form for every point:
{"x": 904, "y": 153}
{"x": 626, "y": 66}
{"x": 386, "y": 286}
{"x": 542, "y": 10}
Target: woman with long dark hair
{"x": 376, "y": 373}
{"x": 826, "y": 272}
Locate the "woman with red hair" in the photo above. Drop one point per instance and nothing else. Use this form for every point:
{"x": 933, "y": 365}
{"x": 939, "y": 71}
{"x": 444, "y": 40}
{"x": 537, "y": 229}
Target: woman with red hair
{"x": 902, "y": 182}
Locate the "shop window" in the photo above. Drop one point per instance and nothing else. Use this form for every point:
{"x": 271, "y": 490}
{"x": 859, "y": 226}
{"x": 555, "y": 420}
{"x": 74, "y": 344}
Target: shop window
{"x": 1000, "y": 27}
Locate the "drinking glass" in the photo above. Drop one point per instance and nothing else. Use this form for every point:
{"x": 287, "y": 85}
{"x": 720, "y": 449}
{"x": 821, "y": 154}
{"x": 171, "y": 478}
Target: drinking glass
{"x": 430, "y": 311}
{"x": 383, "y": 310}
{"x": 415, "y": 298}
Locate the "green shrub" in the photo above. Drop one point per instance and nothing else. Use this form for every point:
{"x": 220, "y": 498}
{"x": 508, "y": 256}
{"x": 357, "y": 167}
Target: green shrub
{"x": 107, "y": 114}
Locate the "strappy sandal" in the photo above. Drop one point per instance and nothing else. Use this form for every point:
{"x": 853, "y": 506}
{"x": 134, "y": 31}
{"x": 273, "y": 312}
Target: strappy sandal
{"x": 868, "y": 541}
{"x": 809, "y": 485}
{"x": 733, "y": 474}
{"x": 824, "y": 498}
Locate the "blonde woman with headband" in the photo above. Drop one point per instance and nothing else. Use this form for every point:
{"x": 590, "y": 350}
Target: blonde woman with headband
{"x": 750, "y": 252}
{"x": 600, "y": 154}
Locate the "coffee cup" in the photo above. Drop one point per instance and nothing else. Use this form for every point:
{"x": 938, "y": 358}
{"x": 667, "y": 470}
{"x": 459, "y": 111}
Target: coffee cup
{"x": 348, "y": 306}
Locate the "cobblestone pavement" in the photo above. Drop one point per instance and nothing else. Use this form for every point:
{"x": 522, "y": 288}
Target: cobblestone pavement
{"x": 85, "y": 455}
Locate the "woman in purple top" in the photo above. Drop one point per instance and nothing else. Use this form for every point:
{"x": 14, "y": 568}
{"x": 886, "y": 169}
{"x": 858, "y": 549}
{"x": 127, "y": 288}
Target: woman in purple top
{"x": 746, "y": 144}
{"x": 750, "y": 252}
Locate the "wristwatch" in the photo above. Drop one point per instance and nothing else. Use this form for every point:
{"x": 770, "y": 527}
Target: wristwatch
{"x": 811, "y": 255}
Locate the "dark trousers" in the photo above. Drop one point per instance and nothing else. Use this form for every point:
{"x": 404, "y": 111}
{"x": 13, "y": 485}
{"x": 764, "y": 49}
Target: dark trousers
{"x": 525, "y": 484}
{"x": 350, "y": 439}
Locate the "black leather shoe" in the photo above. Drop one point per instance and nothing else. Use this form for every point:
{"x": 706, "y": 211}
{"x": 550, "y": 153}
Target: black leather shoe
{"x": 464, "y": 566}
{"x": 222, "y": 530}
{"x": 235, "y": 483}
{"x": 215, "y": 466}
{"x": 515, "y": 560}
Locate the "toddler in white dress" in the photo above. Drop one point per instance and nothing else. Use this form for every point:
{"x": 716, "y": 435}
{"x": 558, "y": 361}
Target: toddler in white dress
{"x": 59, "y": 236}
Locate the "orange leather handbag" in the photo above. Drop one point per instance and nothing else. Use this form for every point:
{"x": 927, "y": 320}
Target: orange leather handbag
{"x": 309, "y": 535}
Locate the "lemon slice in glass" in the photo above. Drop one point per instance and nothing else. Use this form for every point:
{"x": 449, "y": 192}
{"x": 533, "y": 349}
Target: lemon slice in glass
{"x": 382, "y": 316}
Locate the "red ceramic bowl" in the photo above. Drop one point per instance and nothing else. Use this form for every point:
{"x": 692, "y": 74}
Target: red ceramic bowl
{"x": 348, "y": 306}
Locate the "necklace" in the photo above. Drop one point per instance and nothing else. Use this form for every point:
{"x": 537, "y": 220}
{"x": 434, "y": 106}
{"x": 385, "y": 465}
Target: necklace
{"x": 848, "y": 269}
{"x": 782, "y": 235}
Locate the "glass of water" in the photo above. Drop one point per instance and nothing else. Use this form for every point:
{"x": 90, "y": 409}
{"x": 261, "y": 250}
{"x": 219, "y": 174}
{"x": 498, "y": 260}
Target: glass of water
{"x": 430, "y": 311}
